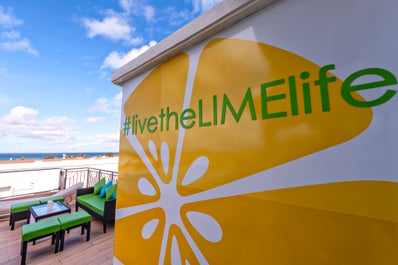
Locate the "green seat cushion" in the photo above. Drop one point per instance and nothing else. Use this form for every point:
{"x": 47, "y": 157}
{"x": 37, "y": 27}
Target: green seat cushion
{"x": 40, "y": 228}
{"x": 99, "y": 185}
{"x": 92, "y": 201}
{"x": 53, "y": 198}
{"x": 74, "y": 219}
{"x": 110, "y": 191}
{"x": 23, "y": 206}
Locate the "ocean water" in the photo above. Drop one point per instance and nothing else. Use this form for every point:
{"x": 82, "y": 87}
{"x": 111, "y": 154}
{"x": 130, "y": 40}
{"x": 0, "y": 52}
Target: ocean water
{"x": 41, "y": 156}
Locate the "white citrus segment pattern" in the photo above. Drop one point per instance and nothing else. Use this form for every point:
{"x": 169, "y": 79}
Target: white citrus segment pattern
{"x": 189, "y": 181}
{"x": 171, "y": 202}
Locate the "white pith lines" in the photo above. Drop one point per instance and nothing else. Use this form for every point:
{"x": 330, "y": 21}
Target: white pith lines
{"x": 171, "y": 202}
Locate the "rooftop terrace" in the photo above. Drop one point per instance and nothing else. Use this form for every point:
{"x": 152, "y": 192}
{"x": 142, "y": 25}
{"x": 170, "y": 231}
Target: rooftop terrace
{"x": 98, "y": 251}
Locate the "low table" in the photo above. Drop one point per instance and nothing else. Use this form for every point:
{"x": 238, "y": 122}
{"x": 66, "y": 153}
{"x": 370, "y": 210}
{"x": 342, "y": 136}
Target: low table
{"x": 41, "y": 211}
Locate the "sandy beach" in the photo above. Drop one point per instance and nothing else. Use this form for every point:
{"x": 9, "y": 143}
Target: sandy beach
{"x": 24, "y": 177}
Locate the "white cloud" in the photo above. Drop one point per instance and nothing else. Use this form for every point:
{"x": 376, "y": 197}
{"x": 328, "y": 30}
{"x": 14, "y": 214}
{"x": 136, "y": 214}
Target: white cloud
{"x": 149, "y": 13}
{"x": 106, "y": 105}
{"x": 117, "y": 99}
{"x": 22, "y": 122}
{"x": 7, "y": 19}
{"x": 17, "y": 43}
{"x": 138, "y": 8}
{"x": 110, "y": 139}
{"x": 115, "y": 26}
{"x": 95, "y": 119}
{"x": 11, "y": 35}
{"x": 112, "y": 27}
{"x": 12, "y": 40}
{"x": 204, "y": 5}
{"x": 127, "y": 5}
{"x": 117, "y": 59}
{"x": 104, "y": 141}
{"x": 56, "y": 134}
{"x": 174, "y": 17}
{"x": 21, "y": 114}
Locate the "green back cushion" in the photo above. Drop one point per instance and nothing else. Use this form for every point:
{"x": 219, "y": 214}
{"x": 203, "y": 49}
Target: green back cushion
{"x": 54, "y": 199}
{"x": 103, "y": 189}
{"x": 99, "y": 185}
{"x": 109, "y": 192}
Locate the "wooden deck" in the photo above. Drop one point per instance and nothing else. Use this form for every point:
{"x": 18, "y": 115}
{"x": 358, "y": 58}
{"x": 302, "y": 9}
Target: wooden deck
{"x": 98, "y": 251}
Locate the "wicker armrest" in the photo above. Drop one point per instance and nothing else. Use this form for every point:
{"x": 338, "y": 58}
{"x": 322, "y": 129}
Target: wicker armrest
{"x": 109, "y": 209}
{"x": 84, "y": 191}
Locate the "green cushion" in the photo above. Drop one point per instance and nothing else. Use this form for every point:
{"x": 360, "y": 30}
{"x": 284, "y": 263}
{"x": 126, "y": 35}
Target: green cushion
{"x": 99, "y": 185}
{"x": 23, "y": 206}
{"x": 110, "y": 191}
{"x": 104, "y": 188}
{"x": 40, "y": 228}
{"x": 74, "y": 219}
{"x": 94, "y": 202}
{"x": 53, "y": 198}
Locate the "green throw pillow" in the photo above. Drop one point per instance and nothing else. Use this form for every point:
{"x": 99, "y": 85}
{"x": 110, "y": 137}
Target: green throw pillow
{"x": 103, "y": 189}
{"x": 99, "y": 185}
{"x": 110, "y": 191}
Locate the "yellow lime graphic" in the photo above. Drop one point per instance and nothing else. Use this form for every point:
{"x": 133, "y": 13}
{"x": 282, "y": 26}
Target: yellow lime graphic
{"x": 195, "y": 192}
{"x": 338, "y": 223}
{"x": 246, "y": 147}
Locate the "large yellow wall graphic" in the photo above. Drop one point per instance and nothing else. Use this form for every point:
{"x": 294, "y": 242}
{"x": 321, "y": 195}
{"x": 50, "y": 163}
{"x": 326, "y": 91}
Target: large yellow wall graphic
{"x": 192, "y": 187}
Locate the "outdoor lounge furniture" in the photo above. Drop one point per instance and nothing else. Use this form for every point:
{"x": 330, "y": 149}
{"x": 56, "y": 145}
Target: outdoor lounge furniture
{"x": 55, "y": 227}
{"x": 77, "y": 219}
{"x": 67, "y": 193}
{"x": 34, "y": 231}
{"x": 20, "y": 211}
{"x": 52, "y": 198}
{"x": 43, "y": 211}
{"x": 102, "y": 208}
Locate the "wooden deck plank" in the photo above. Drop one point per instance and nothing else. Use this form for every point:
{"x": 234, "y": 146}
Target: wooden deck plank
{"x": 99, "y": 250}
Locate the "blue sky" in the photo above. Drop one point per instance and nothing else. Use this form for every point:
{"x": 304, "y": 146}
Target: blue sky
{"x": 56, "y": 60}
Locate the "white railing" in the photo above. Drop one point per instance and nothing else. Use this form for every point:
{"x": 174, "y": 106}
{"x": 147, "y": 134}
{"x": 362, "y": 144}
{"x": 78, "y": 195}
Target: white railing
{"x": 27, "y": 182}
{"x": 87, "y": 176}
